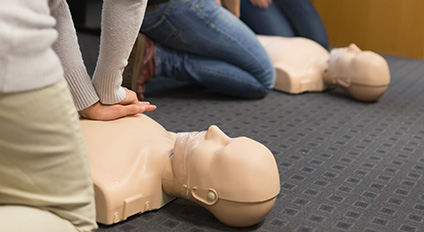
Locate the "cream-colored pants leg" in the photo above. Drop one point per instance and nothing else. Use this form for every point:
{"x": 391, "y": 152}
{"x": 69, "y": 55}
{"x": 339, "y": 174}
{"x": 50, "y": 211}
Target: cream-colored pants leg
{"x": 43, "y": 162}
{"x": 27, "y": 219}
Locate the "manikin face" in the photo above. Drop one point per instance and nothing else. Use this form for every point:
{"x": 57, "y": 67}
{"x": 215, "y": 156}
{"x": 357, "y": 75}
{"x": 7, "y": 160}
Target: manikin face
{"x": 228, "y": 167}
{"x": 189, "y": 143}
{"x": 211, "y": 141}
{"x": 340, "y": 62}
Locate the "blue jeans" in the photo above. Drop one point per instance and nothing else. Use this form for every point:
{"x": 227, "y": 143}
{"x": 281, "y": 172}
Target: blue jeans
{"x": 200, "y": 42}
{"x": 286, "y": 18}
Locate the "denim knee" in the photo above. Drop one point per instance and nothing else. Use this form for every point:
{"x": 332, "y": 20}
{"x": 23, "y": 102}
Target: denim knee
{"x": 266, "y": 83}
{"x": 269, "y": 76}
{"x": 259, "y": 93}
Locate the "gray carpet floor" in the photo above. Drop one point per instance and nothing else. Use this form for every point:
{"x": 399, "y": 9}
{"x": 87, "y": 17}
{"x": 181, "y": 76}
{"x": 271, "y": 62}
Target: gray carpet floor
{"x": 344, "y": 165}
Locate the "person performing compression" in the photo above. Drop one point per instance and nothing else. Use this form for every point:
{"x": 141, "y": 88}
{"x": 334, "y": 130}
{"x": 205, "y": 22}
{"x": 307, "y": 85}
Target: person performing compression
{"x": 45, "y": 182}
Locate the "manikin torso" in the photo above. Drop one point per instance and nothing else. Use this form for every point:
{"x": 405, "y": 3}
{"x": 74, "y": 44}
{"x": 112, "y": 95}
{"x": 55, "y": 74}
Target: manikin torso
{"x": 299, "y": 63}
{"x": 127, "y": 176}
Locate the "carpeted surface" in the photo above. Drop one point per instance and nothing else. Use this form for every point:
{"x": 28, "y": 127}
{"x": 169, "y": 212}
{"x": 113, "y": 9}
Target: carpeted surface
{"x": 344, "y": 165}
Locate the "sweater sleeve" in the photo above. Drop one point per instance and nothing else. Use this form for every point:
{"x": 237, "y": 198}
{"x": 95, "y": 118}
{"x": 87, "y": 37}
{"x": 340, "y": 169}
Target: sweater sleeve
{"x": 68, "y": 50}
{"x": 121, "y": 22}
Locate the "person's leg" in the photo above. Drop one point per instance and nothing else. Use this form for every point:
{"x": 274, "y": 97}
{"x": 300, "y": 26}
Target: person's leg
{"x": 304, "y": 19}
{"x": 214, "y": 74}
{"x": 265, "y": 21}
{"x": 43, "y": 162}
{"x": 25, "y": 218}
{"x": 204, "y": 30}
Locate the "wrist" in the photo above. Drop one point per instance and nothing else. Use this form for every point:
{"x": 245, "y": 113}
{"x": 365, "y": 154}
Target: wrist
{"x": 85, "y": 113}
{"x": 108, "y": 85}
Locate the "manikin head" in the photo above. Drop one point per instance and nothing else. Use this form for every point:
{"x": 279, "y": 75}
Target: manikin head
{"x": 236, "y": 179}
{"x": 364, "y": 74}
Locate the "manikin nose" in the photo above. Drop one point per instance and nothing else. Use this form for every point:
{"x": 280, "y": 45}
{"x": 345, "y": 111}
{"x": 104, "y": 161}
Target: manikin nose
{"x": 214, "y": 133}
{"x": 353, "y": 47}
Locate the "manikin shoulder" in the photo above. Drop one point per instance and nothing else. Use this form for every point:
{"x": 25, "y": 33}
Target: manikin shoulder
{"x": 115, "y": 147}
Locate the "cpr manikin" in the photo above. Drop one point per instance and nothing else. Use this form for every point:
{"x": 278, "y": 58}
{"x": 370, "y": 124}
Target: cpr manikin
{"x": 138, "y": 166}
{"x": 302, "y": 65}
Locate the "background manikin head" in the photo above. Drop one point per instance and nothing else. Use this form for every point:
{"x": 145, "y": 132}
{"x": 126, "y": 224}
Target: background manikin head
{"x": 364, "y": 74}
{"x": 234, "y": 178}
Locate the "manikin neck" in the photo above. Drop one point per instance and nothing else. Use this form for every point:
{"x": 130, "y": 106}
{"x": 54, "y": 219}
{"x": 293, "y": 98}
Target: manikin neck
{"x": 170, "y": 183}
{"x": 329, "y": 78}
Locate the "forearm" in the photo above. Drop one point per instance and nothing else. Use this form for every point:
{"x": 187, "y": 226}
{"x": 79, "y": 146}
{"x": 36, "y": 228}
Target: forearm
{"x": 67, "y": 48}
{"x": 121, "y": 21}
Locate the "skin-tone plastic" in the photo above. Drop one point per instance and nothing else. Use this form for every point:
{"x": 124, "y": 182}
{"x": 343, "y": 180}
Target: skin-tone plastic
{"x": 302, "y": 65}
{"x": 126, "y": 158}
{"x": 138, "y": 166}
{"x": 234, "y": 178}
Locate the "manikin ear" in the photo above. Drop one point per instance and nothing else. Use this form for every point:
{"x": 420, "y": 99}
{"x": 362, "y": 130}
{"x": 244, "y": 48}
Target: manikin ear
{"x": 206, "y": 196}
{"x": 344, "y": 82}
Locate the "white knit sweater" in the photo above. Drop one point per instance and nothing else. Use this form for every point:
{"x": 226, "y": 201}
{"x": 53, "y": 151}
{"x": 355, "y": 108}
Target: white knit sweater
{"x": 30, "y": 55}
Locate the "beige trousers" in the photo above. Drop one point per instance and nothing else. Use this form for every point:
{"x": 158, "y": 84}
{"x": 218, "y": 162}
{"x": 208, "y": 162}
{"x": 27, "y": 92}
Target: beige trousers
{"x": 45, "y": 182}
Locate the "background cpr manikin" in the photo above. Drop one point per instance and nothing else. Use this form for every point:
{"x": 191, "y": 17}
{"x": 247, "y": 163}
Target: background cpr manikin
{"x": 303, "y": 65}
{"x": 138, "y": 166}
